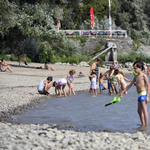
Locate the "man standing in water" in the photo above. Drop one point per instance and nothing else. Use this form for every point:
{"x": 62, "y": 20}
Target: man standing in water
{"x": 94, "y": 66}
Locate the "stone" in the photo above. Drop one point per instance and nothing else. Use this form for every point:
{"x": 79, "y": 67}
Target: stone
{"x": 83, "y": 64}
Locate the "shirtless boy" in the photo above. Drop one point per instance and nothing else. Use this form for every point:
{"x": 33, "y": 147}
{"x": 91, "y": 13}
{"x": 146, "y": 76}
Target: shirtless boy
{"x": 101, "y": 83}
{"x": 141, "y": 83}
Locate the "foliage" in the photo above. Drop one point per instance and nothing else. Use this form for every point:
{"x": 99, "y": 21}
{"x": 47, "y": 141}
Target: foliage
{"x": 65, "y": 48}
{"x": 100, "y": 45}
{"x": 102, "y": 25}
{"x": 133, "y": 56}
{"x": 14, "y": 58}
{"x": 30, "y": 47}
{"x": 134, "y": 20}
{"x": 3, "y": 57}
{"x": 72, "y": 59}
{"x": 6, "y": 16}
{"x": 136, "y": 44}
{"x": 45, "y": 53}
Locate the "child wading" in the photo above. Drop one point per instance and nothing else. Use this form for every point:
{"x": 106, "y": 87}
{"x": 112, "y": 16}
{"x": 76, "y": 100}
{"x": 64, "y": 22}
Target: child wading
{"x": 141, "y": 83}
{"x": 58, "y": 84}
{"x": 93, "y": 77}
{"x": 114, "y": 82}
{"x": 122, "y": 81}
{"x": 70, "y": 80}
{"x": 101, "y": 85}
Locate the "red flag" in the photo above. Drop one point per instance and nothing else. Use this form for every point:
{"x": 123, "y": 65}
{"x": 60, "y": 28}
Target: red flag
{"x": 92, "y": 17}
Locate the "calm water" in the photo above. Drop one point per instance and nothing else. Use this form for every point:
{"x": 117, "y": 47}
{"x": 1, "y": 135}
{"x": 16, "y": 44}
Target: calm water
{"x": 88, "y": 113}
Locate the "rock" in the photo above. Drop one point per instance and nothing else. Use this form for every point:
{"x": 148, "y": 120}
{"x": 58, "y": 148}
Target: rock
{"x": 103, "y": 66}
{"x": 81, "y": 74}
{"x": 8, "y": 56}
{"x": 83, "y": 64}
{"x": 74, "y": 64}
{"x": 58, "y": 63}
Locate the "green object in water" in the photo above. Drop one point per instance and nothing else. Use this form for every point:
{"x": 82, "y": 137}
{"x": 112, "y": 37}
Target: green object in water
{"x": 115, "y": 100}
{"x": 134, "y": 73}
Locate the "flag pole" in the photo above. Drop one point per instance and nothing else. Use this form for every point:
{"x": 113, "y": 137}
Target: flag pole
{"x": 110, "y": 24}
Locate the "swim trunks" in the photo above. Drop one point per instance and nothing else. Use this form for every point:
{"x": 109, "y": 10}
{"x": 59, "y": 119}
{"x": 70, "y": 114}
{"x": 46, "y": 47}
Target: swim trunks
{"x": 101, "y": 86}
{"x": 142, "y": 96}
{"x": 2, "y": 70}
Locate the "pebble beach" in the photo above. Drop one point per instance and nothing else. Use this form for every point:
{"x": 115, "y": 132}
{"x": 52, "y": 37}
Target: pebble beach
{"x": 18, "y": 91}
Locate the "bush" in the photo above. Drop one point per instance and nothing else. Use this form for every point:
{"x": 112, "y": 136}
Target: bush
{"x": 133, "y": 56}
{"x": 42, "y": 53}
{"x": 14, "y": 58}
{"x": 45, "y": 53}
{"x": 3, "y": 57}
{"x": 30, "y": 47}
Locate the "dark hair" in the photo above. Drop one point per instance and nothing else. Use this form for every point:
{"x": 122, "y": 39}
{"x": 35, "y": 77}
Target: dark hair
{"x": 46, "y": 62}
{"x": 101, "y": 75}
{"x": 50, "y": 78}
{"x": 93, "y": 72}
{"x": 139, "y": 64}
{"x": 111, "y": 67}
{"x": 2, "y": 60}
{"x": 99, "y": 60}
{"x": 72, "y": 71}
{"x": 54, "y": 83}
{"x": 116, "y": 71}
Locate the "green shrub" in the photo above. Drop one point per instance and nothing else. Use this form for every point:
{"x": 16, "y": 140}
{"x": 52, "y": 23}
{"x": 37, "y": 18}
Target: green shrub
{"x": 136, "y": 44}
{"x": 42, "y": 53}
{"x": 30, "y": 47}
{"x": 133, "y": 56}
{"x": 57, "y": 59}
{"x": 83, "y": 39}
{"x": 3, "y": 57}
{"x": 14, "y": 58}
{"x": 45, "y": 53}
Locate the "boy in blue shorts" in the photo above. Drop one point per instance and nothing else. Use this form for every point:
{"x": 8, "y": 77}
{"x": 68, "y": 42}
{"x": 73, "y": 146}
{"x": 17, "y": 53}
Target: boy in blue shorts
{"x": 141, "y": 83}
{"x": 101, "y": 83}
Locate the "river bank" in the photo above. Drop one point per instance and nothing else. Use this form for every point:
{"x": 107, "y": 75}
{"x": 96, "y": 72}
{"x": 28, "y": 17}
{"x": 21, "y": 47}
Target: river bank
{"x": 19, "y": 91}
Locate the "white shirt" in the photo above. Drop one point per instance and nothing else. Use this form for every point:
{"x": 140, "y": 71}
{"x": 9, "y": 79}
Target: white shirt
{"x": 41, "y": 85}
{"x": 93, "y": 80}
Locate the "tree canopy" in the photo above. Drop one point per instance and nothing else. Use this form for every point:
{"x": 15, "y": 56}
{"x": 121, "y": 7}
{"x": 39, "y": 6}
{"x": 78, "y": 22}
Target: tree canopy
{"x": 36, "y": 19}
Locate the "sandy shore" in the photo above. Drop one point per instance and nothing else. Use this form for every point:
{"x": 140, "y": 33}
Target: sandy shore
{"x": 13, "y": 92}
{"x": 14, "y": 86}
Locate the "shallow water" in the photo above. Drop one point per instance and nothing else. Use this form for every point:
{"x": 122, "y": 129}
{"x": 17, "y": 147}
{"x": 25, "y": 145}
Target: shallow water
{"x": 88, "y": 113}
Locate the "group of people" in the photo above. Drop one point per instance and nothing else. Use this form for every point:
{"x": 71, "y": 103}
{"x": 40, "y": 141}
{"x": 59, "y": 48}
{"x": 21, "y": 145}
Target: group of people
{"x": 116, "y": 83}
{"x": 45, "y": 85}
{"x": 115, "y": 78}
